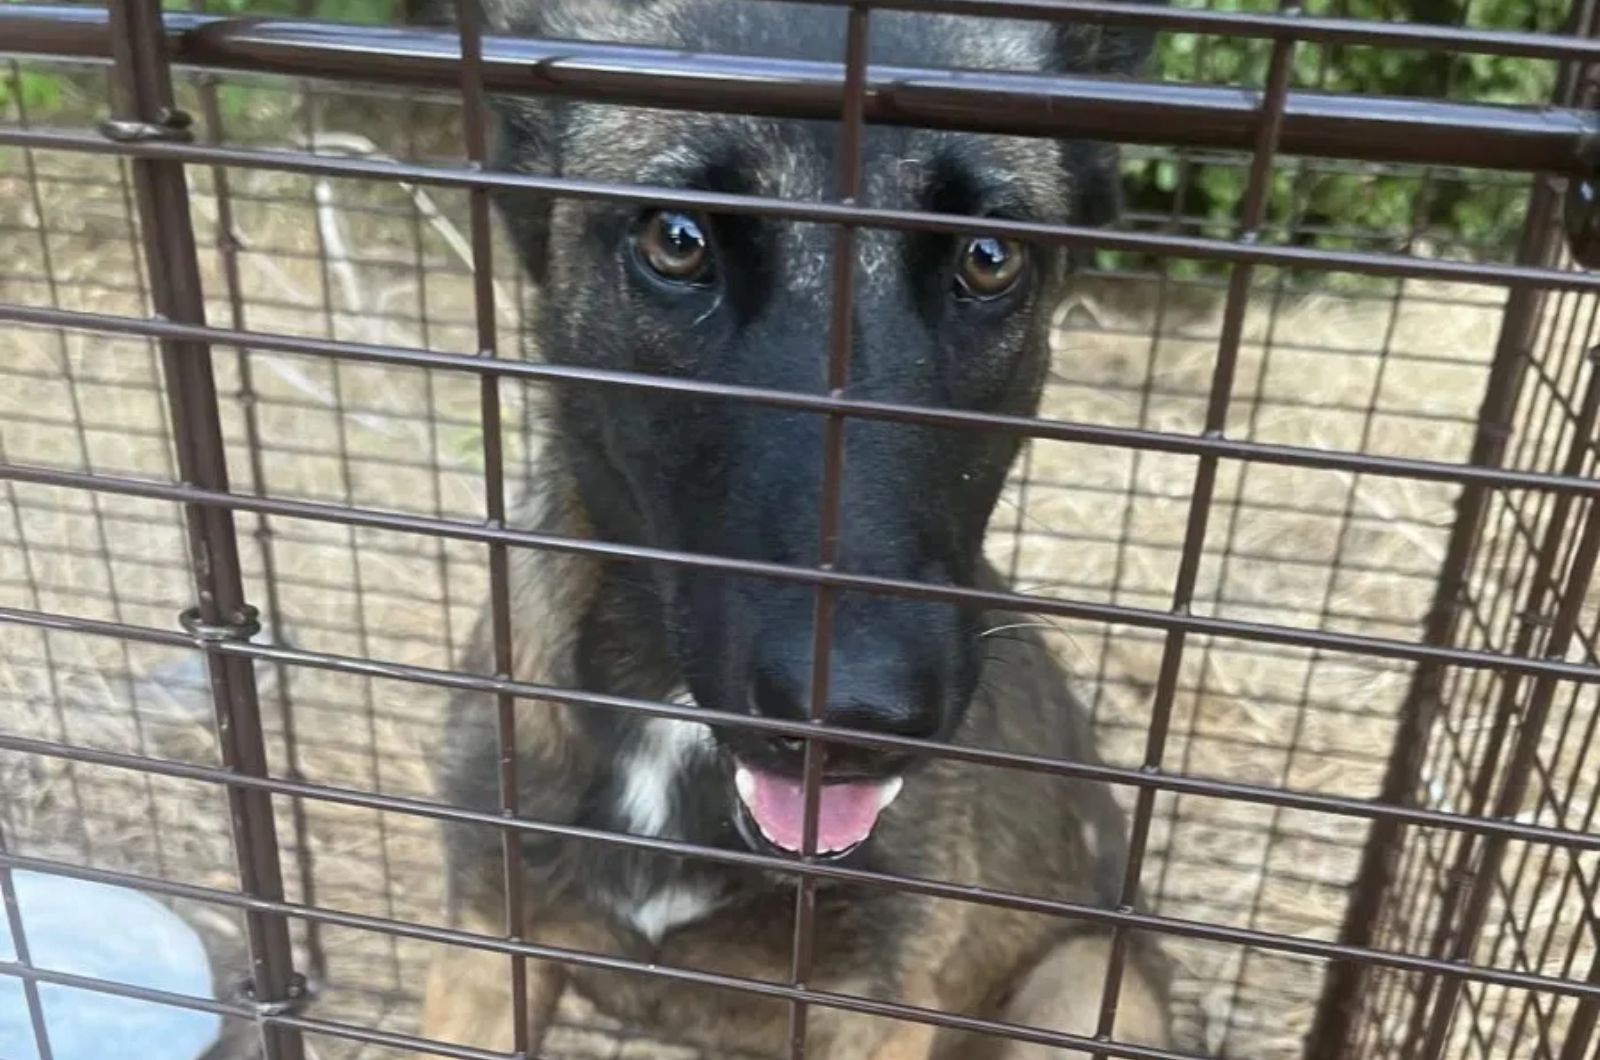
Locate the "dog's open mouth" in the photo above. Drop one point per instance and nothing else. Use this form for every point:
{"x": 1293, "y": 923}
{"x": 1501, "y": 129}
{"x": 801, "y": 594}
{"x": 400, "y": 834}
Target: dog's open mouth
{"x": 847, "y": 811}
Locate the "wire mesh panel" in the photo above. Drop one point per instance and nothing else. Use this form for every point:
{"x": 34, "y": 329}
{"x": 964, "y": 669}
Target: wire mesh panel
{"x": 1307, "y": 513}
{"x": 1510, "y": 746}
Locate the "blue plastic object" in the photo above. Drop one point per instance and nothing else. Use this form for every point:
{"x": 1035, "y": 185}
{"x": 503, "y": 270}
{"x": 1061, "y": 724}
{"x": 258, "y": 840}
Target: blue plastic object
{"x": 114, "y": 934}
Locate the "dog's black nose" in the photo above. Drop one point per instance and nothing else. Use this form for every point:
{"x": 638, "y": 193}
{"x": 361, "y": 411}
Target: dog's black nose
{"x": 877, "y": 692}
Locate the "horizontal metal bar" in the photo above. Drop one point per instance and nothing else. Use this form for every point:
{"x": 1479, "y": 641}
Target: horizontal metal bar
{"x": 1115, "y": 614}
{"x": 958, "y": 419}
{"x": 1196, "y": 248}
{"x": 1376, "y": 129}
{"x": 586, "y": 959}
{"x": 344, "y": 1031}
{"x": 1236, "y": 791}
{"x": 1265, "y": 25}
{"x": 388, "y": 926}
{"x": 1165, "y": 925}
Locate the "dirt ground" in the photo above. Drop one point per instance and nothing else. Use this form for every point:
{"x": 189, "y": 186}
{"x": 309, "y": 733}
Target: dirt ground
{"x": 1396, "y": 369}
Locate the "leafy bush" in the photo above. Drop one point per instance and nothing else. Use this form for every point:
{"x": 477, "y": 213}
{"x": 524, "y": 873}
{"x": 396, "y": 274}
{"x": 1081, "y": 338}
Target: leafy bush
{"x": 1342, "y": 207}
{"x": 39, "y": 92}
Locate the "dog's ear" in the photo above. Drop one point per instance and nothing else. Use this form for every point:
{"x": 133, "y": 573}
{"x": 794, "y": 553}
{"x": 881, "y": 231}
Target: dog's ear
{"x": 1096, "y": 170}
{"x": 525, "y": 140}
{"x": 526, "y": 134}
{"x": 1104, "y": 51}
{"x": 429, "y": 12}
{"x": 519, "y": 17}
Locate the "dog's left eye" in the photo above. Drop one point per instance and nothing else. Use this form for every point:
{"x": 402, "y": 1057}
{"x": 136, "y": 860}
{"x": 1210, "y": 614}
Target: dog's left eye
{"x": 673, "y": 246}
{"x": 990, "y": 267}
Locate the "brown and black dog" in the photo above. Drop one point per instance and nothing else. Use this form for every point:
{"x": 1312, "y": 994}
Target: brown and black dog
{"x": 939, "y": 320}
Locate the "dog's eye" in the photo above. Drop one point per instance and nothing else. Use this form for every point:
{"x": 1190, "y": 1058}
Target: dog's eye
{"x": 673, "y": 246}
{"x": 990, "y": 267}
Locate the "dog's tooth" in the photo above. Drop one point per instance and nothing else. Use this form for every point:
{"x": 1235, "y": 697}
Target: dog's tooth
{"x": 889, "y": 791}
{"x": 745, "y": 781}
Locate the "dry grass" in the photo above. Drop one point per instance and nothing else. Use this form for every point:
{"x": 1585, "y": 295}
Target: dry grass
{"x": 387, "y": 263}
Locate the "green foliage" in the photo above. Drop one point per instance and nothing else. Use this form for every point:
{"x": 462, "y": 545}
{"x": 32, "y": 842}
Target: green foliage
{"x": 1338, "y": 207}
{"x": 39, "y": 92}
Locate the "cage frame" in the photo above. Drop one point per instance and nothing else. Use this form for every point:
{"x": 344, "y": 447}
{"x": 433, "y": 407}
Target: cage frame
{"x": 142, "y": 45}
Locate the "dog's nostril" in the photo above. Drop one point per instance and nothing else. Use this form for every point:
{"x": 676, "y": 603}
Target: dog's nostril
{"x": 919, "y": 719}
{"x": 914, "y": 716}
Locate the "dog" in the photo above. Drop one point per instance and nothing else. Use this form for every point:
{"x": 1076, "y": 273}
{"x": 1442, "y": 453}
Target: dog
{"x": 953, "y": 322}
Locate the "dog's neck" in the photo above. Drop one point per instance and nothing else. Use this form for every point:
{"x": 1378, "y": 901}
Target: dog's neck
{"x": 657, "y": 776}
{"x": 654, "y": 776}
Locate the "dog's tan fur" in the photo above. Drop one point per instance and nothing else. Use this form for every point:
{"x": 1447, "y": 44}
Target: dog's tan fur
{"x": 944, "y": 955}
{"x": 580, "y": 623}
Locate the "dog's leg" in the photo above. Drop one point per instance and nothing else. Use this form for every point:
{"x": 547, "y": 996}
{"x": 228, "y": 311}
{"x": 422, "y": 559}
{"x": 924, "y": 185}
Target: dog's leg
{"x": 468, "y": 997}
{"x": 1062, "y": 993}
{"x": 841, "y": 1035}
{"x": 854, "y": 1036}
{"x": 908, "y": 1041}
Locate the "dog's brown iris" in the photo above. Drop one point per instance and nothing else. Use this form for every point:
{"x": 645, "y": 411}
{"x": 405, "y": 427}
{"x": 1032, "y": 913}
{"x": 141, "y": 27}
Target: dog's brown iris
{"x": 673, "y": 245}
{"x": 990, "y": 267}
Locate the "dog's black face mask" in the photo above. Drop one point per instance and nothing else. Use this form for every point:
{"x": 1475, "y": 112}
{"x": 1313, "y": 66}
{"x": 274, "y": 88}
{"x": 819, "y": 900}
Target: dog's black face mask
{"x": 939, "y": 320}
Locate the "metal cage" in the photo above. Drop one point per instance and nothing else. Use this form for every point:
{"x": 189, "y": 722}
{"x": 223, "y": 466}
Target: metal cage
{"x": 1339, "y": 640}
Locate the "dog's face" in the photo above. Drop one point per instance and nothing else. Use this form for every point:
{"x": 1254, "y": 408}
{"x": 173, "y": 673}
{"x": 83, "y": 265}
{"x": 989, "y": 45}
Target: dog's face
{"x": 944, "y": 321}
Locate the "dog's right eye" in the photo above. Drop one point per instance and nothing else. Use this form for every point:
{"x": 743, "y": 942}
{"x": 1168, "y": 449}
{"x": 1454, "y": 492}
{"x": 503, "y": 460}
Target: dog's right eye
{"x": 673, "y": 246}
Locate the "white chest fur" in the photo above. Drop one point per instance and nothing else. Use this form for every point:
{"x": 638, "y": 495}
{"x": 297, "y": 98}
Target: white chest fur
{"x": 647, "y": 806}
{"x": 671, "y": 906}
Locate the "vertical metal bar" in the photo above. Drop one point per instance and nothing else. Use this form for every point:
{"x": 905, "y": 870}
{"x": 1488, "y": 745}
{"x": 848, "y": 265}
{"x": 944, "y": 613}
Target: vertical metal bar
{"x": 1298, "y": 202}
{"x": 1581, "y": 1030}
{"x": 417, "y": 214}
{"x": 145, "y": 91}
{"x": 840, "y": 332}
{"x": 1158, "y": 326}
{"x": 1584, "y": 1018}
{"x": 1543, "y": 558}
{"x": 1299, "y": 196}
{"x": 1542, "y": 587}
{"x": 321, "y": 203}
{"x": 1548, "y": 552}
{"x": 25, "y": 549}
{"x": 1019, "y": 526}
{"x": 1420, "y": 212}
{"x": 228, "y": 249}
{"x": 469, "y": 20}
{"x": 1532, "y": 618}
{"x": 1303, "y": 709}
{"x": 69, "y": 375}
{"x": 1344, "y": 988}
{"x": 24, "y": 957}
{"x": 1518, "y": 773}
{"x": 1257, "y": 193}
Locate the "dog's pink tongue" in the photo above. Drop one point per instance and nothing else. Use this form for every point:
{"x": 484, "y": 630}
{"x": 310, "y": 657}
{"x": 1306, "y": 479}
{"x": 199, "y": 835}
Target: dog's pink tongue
{"x": 846, "y": 813}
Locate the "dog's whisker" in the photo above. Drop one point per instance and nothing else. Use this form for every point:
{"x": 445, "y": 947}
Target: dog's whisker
{"x": 1048, "y": 626}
